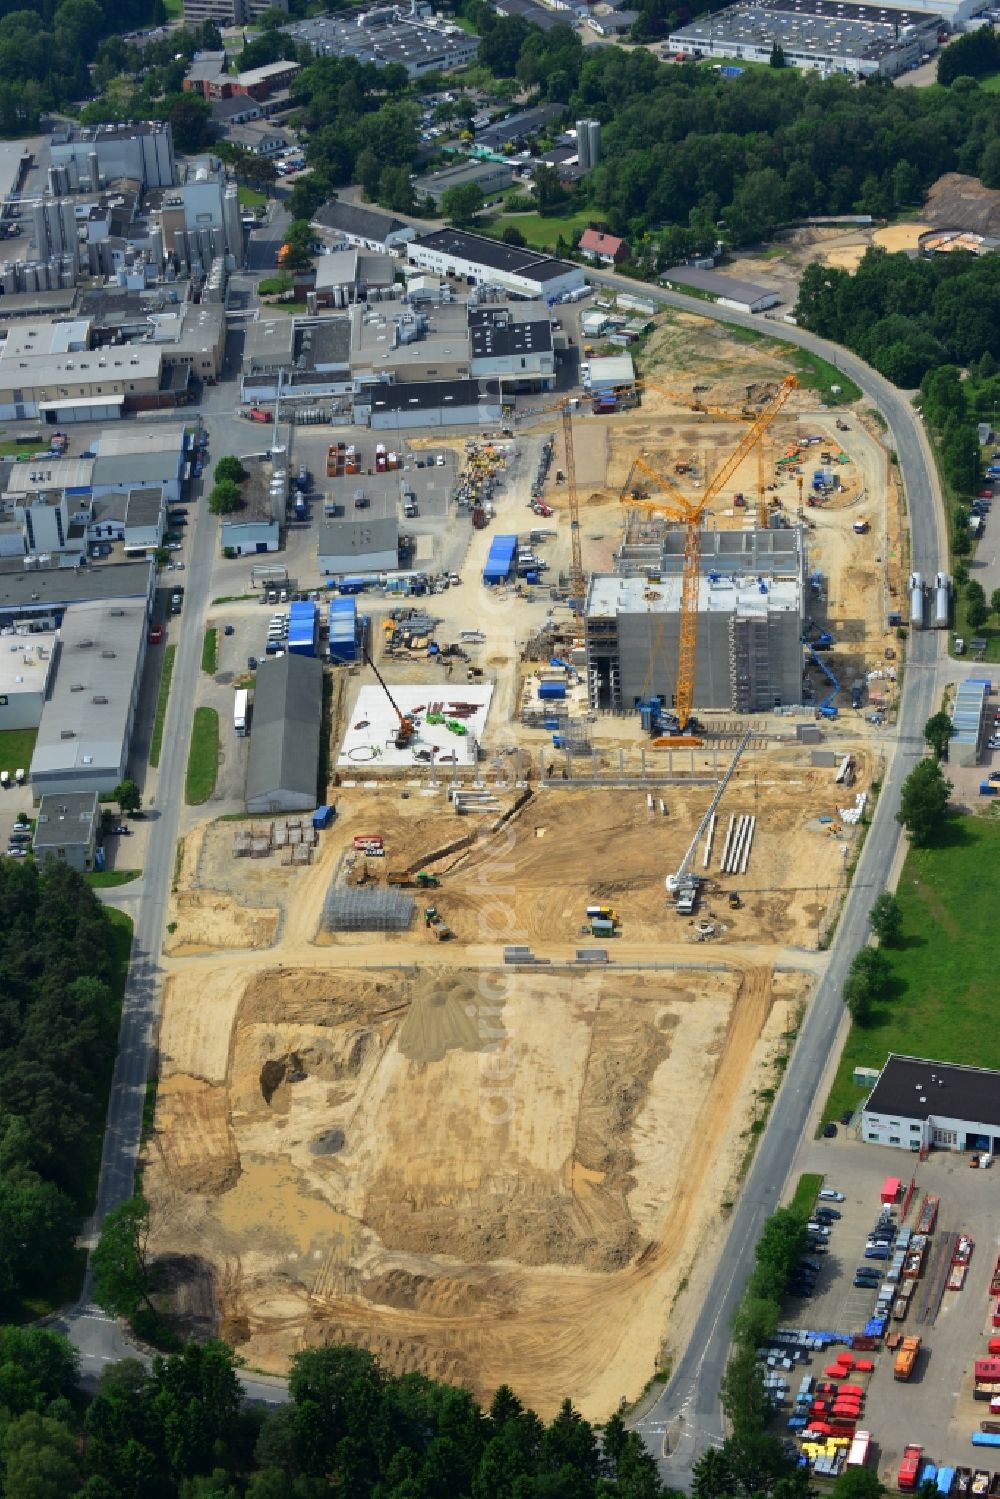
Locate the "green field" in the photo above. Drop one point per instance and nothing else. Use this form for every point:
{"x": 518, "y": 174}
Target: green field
{"x": 210, "y": 651}
{"x": 251, "y": 197}
{"x": 156, "y": 738}
{"x": 944, "y": 972}
{"x": 16, "y": 749}
{"x": 804, "y": 1197}
{"x": 109, "y": 879}
{"x": 542, "y": 233}
{"x": 991, "y": 84}
{"x": 203, "y": 757}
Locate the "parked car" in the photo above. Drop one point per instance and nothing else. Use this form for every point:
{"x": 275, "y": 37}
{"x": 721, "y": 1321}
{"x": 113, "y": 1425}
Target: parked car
{"x": 155, "y": 634}
{"x": 824, "y": 1215}
{"x": 829, "y": 1130}
{"x": 830, "y": 1194}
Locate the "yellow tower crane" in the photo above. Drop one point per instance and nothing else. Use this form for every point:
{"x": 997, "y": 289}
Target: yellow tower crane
{"x": 578, "y": 584}
{"x": 691, "y": 512}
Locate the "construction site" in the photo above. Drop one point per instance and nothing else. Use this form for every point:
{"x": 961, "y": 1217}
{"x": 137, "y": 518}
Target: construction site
{"x": 469, "y": 1075}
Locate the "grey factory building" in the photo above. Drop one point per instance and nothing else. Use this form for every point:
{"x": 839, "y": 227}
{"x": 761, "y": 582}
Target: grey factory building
{"x": 823, "y": 35}
{"x": 86, "y": 728}
{"x": 750, "y": 617}
{"x": 283, "y": 769}
{"x": 389, "y": 34}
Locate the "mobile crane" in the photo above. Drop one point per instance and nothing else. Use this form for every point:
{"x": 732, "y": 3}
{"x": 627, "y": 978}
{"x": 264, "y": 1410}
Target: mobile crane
{"x": 684, "y": 885}
{"x": 407, "y": 728}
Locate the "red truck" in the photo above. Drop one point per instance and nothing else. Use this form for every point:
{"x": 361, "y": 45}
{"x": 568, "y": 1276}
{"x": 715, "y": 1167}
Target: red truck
{"x": 909, "y": 1468}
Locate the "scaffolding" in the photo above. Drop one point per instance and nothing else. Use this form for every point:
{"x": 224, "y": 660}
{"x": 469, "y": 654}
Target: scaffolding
{"x": 352, "y": 908}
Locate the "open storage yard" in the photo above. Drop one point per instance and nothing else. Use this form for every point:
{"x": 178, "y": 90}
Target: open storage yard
{"x": 936, "y": 1406}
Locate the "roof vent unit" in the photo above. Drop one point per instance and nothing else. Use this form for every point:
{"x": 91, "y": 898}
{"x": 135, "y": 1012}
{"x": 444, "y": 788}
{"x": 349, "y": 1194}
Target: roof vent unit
{"x": 99, "y": 698}
{"x": 108, "y": 655}
{"x": 67, "y": 734}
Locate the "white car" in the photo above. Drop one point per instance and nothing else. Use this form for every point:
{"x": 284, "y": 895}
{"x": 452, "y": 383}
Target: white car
{"x": 830, "y": 1194}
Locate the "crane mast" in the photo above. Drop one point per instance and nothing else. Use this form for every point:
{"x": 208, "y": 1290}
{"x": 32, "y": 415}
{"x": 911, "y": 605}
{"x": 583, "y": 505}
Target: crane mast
{"x": 578, "y": 584}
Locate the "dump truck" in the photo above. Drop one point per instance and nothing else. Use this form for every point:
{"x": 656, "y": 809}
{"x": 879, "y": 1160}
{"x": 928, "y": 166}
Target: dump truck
{"x": 909, "y": 1467}
{"x": 603, "y": 913}
{"x": 906, "y": 1358}
{"x": 423, "y": 880}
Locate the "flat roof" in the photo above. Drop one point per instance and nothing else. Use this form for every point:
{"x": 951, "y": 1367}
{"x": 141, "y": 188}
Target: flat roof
{"x": 472, "y": 170}
{"x": 124, "y": 362}
{"x": 811, "y": 28}
{"x": 37, "y": 589}
{"x": 351, "y": 537}
{"x": 86, "y": 716}
{"x": 427, "y": 395}
{"x": 39, "y": 336}
{"x": 719, "y": 285}
{"x": 498, "y": 340}
{"x": 917, "y": 1088}
{"x": 269, "y": 343}
{"x": 25, "y": 661}
{"x": 12, "y": 158}
{"x": 525, "y": 122}
{"x": 617, "y": 369}
{"x": 65, "y": 820}
{"x": 610, "y": 595}
{"x": 264, "y": 74}
{"x": 63, "y": 473}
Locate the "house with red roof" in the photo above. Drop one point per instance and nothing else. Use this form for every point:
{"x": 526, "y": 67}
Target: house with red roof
{"x": 607, "y": 249}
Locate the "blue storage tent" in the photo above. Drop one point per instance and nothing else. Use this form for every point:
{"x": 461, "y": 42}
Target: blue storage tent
{"x": 502, "y": 560}
{"x": 342, "y": 617}
{"x": 303, "y": 628}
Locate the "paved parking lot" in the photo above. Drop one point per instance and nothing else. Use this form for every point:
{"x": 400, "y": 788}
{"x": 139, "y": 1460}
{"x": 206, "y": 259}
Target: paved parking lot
{"x": 935, "y": 1407}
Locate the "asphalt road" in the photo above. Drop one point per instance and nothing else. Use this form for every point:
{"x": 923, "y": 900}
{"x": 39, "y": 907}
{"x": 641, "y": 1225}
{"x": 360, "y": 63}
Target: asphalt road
{"x": 687, "y": 1418}
{"x": 97, "y": 1336}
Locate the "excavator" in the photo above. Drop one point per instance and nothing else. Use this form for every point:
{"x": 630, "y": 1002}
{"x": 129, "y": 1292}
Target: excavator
{"x": 407, "y": 728}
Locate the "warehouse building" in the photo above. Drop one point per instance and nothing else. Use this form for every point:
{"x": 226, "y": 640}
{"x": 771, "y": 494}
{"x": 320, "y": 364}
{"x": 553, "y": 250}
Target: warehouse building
{"x": 437, "y": 403}
{"x": 358, "y": 546}
{"x": 283, "y": 768}
{"x": 750, "y": 616}
{"x": 37, "y": 596}
{"x": 488, "y": 262}
{"x": 66, "y": 829}
{"x": 824, "y": 35}
{"x": 87, "y": 721}
{"x": 728, "y": 291}
{"x": 420, "y": 43}
{"x": 136, "y": 458}
{"x": 489, "y": 176}
{"x": 353, "y": 275}
{"x": 364, "y": 227}
{"x": 922, "y": 1105}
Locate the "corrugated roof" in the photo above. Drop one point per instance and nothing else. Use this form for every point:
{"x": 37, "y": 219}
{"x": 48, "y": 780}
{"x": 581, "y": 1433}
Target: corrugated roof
{"x": 284, "y": 745}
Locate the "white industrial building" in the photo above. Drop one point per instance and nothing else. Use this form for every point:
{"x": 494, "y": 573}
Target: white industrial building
{"x": 133, "y": 458}
{"x": 488, "y": 262}
{"x": 437, "y": 403}
{"x": 89, "y": 713}
{"x": 25, "y": 668}
{"x": 922, "y": 1105}
{"x": 824, "y": 35}
{"x": 95, "y": 155}
{"x": 135, "y": 517}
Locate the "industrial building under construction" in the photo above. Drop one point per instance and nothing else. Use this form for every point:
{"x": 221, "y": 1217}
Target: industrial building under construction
{"x": 750, "y": 621}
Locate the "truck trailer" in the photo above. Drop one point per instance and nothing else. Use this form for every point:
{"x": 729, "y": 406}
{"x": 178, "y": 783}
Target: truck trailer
{"x": 241, "y": 707}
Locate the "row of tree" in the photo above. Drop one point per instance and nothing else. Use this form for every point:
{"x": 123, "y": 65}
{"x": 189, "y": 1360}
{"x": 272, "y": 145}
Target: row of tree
{"x": 179, "y": 1430}
{"x": 58, "y": 1024}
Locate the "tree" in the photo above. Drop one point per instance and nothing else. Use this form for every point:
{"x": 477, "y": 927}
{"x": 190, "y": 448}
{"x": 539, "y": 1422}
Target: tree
{"x": 461, "y": 203}
{"x": 995, "y": 601}
{"x": 857, "y": 998}
{"x": 41, "y": 1459}
{"x": 118, "y": 1264}
{"x": 128, "y": 797}
{"x": 777, "y": 58}
{"x": 225, "y": 497}
{"x": 975, "y": 591}
{"x": 743, "y": 1396}
{"x": 713, "y": 1477}
{"x": 923, "y": 803}
{"x": 938, "y": 731}
{"x": 229, "y": 467}
{"x": 976, "y": 613}
{"x": 513, "y": 236}
{"x": 189, "y": 118}
{"x": 296, "y": 252}
{"x": 886, "y": 919}
{"x": 858, "y": 1483}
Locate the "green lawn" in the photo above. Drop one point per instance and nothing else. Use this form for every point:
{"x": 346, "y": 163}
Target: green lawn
{"x": 16, "y": 748}
{"x": 210, "y": 651}
{"x": 543, "y": 232}
{"x": 174, "y": 9}
{"x": 804, "y": 1196}
{"x": 108, "y": 879}
{"x": 156, "y": 738}
{"x": 817, "y": 374}
{"x": 12, "y": 446}
{"x": 251, "y": 197}
{"x": 944, "y": 970}
{"x": 203, "y": 757}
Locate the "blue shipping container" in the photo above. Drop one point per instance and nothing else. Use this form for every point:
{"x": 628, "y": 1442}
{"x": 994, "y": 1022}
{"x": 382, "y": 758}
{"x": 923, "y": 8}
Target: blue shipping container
{"x": 986, "y": 1439}
{"x": 550, "y": 690}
